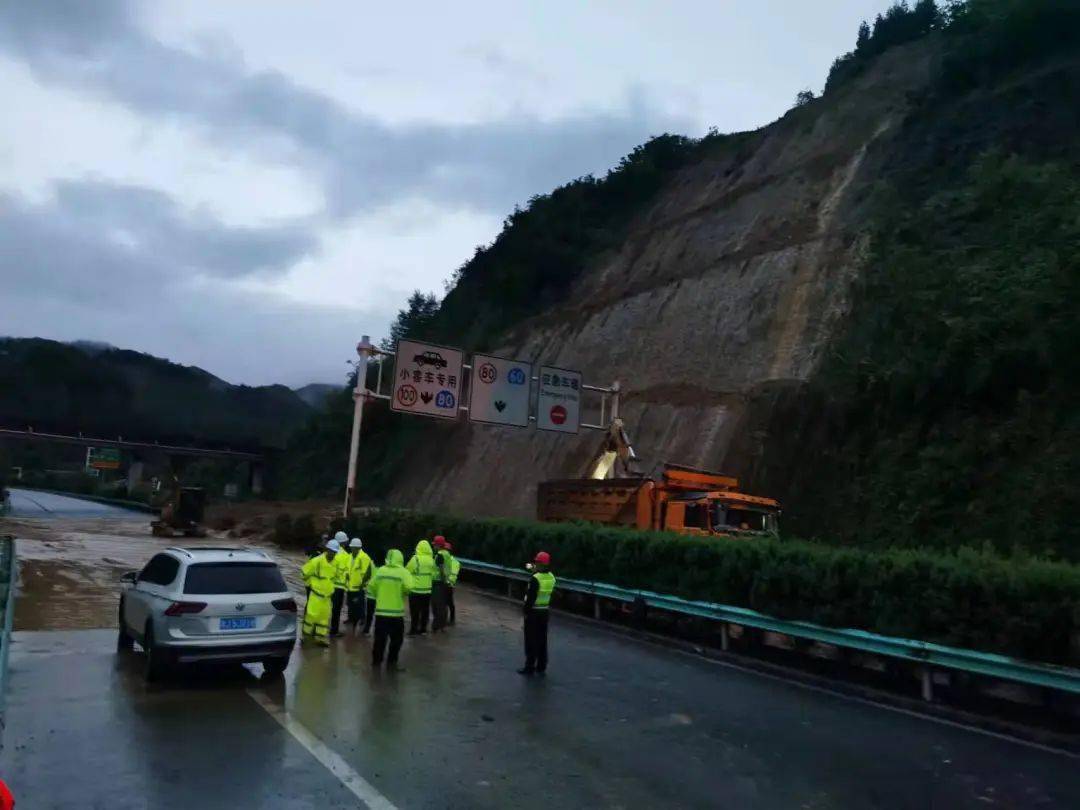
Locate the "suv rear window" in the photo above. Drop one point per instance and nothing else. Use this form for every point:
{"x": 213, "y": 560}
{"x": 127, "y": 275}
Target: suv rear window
{"x": 233, "y": 577}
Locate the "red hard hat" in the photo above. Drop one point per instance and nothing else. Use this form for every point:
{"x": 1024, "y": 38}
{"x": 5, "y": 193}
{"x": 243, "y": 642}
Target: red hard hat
{"x": 449, "y": 546}
{"x": 439, "y": 541}
{"x": 543, "y": 558}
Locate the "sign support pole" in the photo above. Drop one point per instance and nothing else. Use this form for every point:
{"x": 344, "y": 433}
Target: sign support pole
{"x": 364, "y": 349}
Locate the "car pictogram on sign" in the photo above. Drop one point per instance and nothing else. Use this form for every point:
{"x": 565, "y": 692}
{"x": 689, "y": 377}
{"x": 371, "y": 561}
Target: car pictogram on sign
{"x": 558, "y": 414}
{"x": 430, "y": 359}
{"x": 406, "y": 396}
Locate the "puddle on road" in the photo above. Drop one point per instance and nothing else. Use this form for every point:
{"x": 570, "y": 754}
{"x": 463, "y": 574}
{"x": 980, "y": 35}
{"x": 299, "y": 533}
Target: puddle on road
{"x": 69, "y": 569}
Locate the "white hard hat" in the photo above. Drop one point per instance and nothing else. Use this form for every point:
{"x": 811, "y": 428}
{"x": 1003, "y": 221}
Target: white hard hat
{"x": 342, "y": 538}
{"x": 356, "y": 542}
{"x": 333, "y": 545}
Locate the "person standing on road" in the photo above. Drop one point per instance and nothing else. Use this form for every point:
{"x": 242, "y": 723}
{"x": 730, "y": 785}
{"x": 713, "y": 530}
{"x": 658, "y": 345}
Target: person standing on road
{"x": 455, "y": 569}
{"x": 342, "y": 561}
{"x": 440, "y": 585}
{"x": 390, "y": 584}
{"x": 359, "y": 574}
{"x": 369, "y": 607}
{"x": 318, "y": 574}
{"x": 422, "y": 568}
{"x": 537, "y": 600}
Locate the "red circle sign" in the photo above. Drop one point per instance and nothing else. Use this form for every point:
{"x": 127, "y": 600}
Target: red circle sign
{"x": 558, "y": 414}
{"x": 487, "y": 373}
{"x": 406, "y": 395}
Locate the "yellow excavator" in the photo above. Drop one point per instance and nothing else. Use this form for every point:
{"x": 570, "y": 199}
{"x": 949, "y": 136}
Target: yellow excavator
{"x": 182, "y": 513}
{"x": 686, "y": 500}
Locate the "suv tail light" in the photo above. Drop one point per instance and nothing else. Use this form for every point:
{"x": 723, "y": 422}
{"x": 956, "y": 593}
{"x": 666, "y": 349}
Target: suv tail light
{"x": 285, "y": 604}
{"x": 180, "y": 608}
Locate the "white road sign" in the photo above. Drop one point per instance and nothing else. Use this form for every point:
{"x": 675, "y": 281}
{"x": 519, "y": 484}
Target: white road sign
{"x": 558, "y": 406}
{"x": 427, "y": 380}
{"x": 499, "y": 393}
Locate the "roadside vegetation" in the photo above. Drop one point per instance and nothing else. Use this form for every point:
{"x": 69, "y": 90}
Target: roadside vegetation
{"x": 970, "y": 598}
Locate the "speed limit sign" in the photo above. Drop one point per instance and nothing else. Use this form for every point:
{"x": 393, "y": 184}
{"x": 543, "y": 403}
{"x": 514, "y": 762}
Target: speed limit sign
{"x": 499, "y": 394}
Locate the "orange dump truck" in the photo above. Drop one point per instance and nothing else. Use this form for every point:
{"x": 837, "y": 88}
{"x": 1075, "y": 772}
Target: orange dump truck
{"x": 684, "y": 500}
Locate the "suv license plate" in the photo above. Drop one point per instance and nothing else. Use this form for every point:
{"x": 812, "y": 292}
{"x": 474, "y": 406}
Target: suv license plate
{"x": 241, "y": 623}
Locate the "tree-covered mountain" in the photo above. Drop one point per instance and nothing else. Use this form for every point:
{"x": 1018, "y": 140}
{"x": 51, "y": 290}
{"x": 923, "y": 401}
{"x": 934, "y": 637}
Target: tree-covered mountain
{"x": 865, "y": 309}
{"x": 99, "y": 390}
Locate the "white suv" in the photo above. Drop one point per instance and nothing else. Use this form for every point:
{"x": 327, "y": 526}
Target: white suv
{"x": 208, "y": 604}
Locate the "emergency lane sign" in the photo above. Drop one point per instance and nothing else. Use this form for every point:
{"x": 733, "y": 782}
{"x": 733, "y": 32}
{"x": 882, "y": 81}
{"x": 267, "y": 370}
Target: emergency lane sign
{"x": 499, "y": 393}
{"x": 427, "y": 380}
{"x": 558, "y": 404}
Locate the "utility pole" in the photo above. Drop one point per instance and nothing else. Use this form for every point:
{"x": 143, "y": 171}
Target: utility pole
{"x": 365, "y": 350}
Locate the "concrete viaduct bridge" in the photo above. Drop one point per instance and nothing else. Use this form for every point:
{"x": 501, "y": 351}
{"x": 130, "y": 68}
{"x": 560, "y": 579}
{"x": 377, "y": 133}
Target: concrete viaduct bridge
{"x": 142, "y": 452}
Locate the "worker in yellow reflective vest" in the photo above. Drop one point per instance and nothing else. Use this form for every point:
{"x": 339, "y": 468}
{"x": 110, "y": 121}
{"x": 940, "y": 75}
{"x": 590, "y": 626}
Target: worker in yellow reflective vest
{"x": 422, "y": 568}
{"x": 318, "y": 574}
{"x": 537, "y": 601}
{"x": 369, "y": 602}
{"x": 440, "y": 585}
{"x": 342, "y": 560}
{"x": 358, "y": 575}
{"x": 391, "y": 584}
{"x": 455, "y": 569}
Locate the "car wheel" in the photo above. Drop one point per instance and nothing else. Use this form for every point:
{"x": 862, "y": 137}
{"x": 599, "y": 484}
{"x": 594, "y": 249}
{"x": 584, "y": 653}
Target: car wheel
{"x": 124, "y": 641}
{"x": 275, "y": 666}
{"x": 155, "y": 658}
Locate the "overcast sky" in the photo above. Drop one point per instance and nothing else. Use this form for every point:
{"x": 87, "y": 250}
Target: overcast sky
{"x": 248, "y": 186}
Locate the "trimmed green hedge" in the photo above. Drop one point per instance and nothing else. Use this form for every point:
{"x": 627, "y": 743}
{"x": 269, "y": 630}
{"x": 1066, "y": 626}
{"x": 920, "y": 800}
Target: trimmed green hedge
{"x": 1024, "y": 607}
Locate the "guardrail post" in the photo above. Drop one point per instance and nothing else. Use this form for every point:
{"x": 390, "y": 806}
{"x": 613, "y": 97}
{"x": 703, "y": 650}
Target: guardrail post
{"x": 596, "y": 607}
{"x": 725, "y": 640}
{"x": 927, "y": 684}
{"x": 510, "y": 588}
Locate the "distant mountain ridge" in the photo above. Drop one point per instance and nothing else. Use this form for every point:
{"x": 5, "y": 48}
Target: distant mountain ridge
{"x": 316, "y": 394}
{"x": 101, "y": 390}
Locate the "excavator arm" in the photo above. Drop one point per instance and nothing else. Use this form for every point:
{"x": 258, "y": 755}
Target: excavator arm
{"x": 614, "y": 452}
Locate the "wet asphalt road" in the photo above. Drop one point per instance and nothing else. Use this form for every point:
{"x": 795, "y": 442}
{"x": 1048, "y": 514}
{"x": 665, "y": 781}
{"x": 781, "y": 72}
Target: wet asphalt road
{"x": 617, "y": 723}
{"x": 28, "y": 503}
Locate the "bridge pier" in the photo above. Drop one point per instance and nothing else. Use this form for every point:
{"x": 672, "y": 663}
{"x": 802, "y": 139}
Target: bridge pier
{"x": 136, "y": 470}
{"x": 257, "y": 475}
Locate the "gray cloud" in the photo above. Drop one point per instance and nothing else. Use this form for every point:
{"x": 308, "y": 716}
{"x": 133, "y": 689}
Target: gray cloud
{"x": 95, "y": 238}
{"x": 117, "y": 263}
{"x": 364, "y": 163}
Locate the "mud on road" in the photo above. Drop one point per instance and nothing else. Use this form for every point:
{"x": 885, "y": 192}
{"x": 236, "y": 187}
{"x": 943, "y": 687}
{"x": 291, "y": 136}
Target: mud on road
{"x": 70, "y": 568}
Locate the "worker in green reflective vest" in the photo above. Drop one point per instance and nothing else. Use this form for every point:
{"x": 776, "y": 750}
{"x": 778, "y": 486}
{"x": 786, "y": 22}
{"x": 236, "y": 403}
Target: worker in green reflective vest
{"x": 391, "y": 585}
{"x": 421, "y": 567}
{"x": 537, "y": 602}
{"x": 342, "y": 560}
{"x": 440, "y": 584}
{"x": 455, "y": 569}
{"x": 359, "y": 573}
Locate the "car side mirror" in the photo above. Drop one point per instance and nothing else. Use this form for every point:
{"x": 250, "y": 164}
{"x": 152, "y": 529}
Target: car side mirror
{"x": 130, "y": 576}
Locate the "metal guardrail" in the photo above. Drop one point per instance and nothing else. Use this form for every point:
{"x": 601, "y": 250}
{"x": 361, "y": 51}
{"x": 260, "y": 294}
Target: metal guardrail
{"x": 1048, "y": 676}
{"x": 7, "y": 604}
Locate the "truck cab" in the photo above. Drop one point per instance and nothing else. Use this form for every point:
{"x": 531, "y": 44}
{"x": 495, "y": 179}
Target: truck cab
{"x": 707, "y": 514}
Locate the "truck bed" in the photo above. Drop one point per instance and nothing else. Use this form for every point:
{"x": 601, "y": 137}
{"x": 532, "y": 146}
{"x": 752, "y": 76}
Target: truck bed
{"x": 610, "y": 501}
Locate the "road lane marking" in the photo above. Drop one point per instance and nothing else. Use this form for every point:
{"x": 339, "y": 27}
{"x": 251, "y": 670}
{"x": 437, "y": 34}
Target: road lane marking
{"x": 353, "y": 782}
